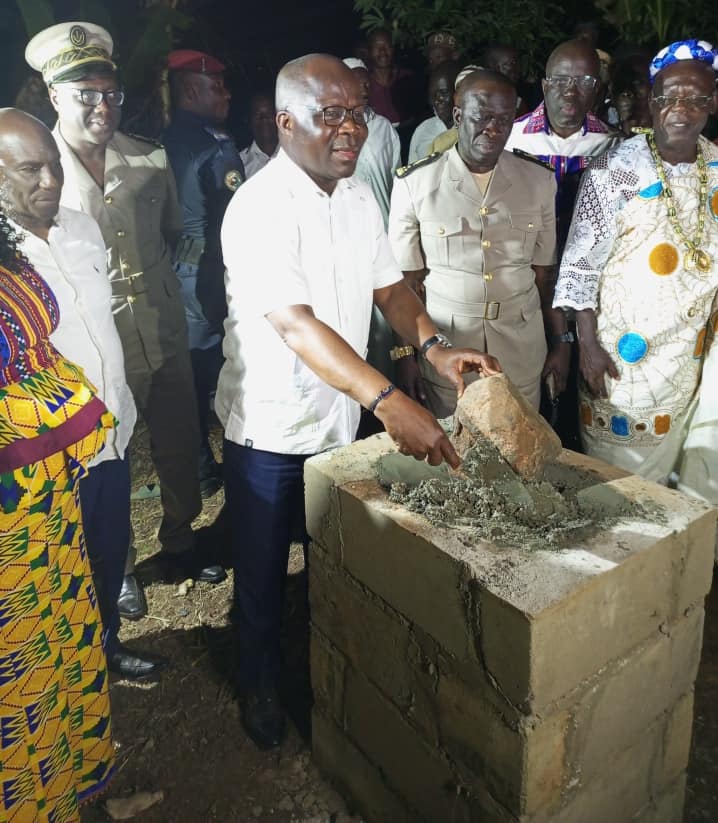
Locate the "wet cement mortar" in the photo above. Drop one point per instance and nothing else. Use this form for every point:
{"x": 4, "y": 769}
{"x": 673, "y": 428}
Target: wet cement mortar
{"x": 491, "y": 502}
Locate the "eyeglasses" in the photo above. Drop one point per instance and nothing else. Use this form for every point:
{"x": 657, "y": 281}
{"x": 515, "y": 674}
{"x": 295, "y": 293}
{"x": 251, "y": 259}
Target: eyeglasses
{"x": 700, "y": 101}
{"x": 563, "y": 82}
{"x": 93, "y": 97}
{"x": 336, "y": 115}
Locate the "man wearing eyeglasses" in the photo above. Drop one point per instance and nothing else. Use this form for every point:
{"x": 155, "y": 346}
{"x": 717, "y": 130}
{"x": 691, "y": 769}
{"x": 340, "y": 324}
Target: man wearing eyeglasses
{"x": 474, "y": 228}
{"x": 307, "y": 256}
{"x": 562, "y": 131}
{"x": 640, "y": 270}
{"x": 126, "y": 185}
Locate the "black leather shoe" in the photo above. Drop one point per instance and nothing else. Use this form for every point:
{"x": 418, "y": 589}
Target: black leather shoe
{"x": 191, "y": 564}
{"x": 263, "y": 718}
{"x": 209, "y": 486}
{"x": 134, "y": 665}
{"x": 131, "y": 602}
{"x": 210, "y": 481}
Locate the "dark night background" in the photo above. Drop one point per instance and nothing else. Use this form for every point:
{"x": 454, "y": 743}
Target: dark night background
{"x": 253, "y": 39}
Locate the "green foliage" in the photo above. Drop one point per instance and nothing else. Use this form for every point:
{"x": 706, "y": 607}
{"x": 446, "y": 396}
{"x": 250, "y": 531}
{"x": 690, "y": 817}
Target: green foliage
{"x": 658, "y": 22}
{"x": 36, "y": 15}
{"x": 533, "y": 26}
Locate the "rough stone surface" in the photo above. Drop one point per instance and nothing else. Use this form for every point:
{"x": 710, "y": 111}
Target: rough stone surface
{"x": 458, "y": 680}
{"x": 495, "y": 408}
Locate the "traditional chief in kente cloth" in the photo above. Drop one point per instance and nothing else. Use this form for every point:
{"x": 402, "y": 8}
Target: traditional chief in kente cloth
{"x": 208, "y": 170}
{"x": 641, "y": 272}
{"x": 127, "y": 186}
{"x": 478, "y": 223}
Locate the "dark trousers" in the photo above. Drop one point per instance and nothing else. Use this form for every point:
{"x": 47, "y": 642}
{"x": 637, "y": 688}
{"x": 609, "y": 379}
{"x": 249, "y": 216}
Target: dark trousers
{"x": 165, "y": 399}
{"x": 206, "y": 365}
{"x": 265, "y": 500}
{"x": 105, "y": 503}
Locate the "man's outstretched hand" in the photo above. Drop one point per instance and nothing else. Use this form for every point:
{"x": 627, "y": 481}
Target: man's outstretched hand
{"x": 453, "y": 363}
{"x": 415, "y": 430}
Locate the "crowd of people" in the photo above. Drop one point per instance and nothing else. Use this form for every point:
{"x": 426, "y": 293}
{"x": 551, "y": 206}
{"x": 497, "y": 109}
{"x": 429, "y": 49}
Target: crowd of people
{"x": 569, "y": 241}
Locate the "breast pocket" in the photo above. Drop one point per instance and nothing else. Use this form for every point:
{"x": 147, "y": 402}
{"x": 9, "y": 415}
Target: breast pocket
{"x": 525, "y": 226}
{"x": 150, "y": 201}
{"x": 443, "y": 242}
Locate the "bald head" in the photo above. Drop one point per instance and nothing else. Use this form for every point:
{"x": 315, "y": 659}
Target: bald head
{"x": 310, "y": 91}
{"x": 572, "y": 51}
{"x": 569, "y": 88}
{"x": 30, "y": 171}
{"x": 301, "y": 80}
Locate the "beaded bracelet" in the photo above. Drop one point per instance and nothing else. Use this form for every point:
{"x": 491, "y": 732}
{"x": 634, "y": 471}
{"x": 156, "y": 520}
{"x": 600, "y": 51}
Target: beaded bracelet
{"x": 383, "y": 394}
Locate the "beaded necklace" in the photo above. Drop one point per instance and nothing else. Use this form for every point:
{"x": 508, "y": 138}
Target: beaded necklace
{"x": 695, "y": 257}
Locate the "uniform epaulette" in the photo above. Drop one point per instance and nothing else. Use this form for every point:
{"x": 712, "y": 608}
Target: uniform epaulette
{"x": 403, "y": 171}
{"x": 146, "y": 139}
{"x": 524, "y": 155}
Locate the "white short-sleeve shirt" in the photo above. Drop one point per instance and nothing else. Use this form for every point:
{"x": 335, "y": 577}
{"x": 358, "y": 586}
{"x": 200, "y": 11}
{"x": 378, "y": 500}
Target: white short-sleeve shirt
{"x": 285, "y": 242}
{"x": 73, "y": 262}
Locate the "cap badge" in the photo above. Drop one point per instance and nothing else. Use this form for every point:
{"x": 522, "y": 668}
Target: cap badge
{"x": 78, "y": 36}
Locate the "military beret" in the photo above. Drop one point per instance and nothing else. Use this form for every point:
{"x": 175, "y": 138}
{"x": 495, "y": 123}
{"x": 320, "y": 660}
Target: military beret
{"x": 191, "y": 60}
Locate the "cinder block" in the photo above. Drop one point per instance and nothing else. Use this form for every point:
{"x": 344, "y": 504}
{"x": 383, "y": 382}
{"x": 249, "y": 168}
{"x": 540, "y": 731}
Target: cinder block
{"x": 633, "y": 692}
{"x": 412, "y": 769}
{"x": 618, "y": 791}
{"x": 677, "y": 740}
{"x": 357, "y": 778}
{"x": 327, "y": 666}
{"x": 427, "y": 585}
{"x": 667, "y": 807}
{"x": 544, "y": 766}
{"x": 474, "y": 733}
{"x": 376, "y": 642}
{"x": 599, "y": 621}
{"x": 696, "y": 562}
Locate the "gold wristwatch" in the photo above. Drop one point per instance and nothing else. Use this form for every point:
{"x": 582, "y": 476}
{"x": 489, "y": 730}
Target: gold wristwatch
{"x": 401, "y": 351}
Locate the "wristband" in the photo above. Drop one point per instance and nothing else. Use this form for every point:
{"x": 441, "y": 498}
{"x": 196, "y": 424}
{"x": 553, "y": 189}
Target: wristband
{"x": 383, "y": 394}
{"x": 566, "y": 337}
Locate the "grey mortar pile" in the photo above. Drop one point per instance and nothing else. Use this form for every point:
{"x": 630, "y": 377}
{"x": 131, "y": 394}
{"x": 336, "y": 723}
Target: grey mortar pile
{"x": 489, "y": 501}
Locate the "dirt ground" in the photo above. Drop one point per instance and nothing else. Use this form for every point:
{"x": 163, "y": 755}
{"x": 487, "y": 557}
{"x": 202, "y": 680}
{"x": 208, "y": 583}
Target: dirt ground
{"x": 182, "y": 735}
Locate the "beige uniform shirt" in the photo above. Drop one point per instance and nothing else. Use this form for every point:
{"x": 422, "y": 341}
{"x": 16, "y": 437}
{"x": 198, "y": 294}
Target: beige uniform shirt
{"x": 140, "y": 220}
{"x": 478, "y": 250}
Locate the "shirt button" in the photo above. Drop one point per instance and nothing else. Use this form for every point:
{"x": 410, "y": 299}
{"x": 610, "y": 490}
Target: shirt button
{"x": 441, "y": 230}
{"x": 488, "y": 276}
{"x": 692, "y": 312}
{"x": 131, "y": 298}
{"x": 108, "y": 199}
{"x": 530, "y": 226}
{"x": 120, "y": 233}
{"x": 483, "y": 211}
{"x": 486, "y": 244}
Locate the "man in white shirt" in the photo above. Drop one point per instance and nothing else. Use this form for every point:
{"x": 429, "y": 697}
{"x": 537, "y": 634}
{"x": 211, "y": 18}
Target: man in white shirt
{"x": 265, "y": 143}
{"x": 302, "y": 274}
{"x": 66, "y": 248}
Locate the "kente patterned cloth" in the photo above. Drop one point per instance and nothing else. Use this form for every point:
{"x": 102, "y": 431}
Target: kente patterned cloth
{"x": 55, "y": 739}
{"x": 623, "y": 260}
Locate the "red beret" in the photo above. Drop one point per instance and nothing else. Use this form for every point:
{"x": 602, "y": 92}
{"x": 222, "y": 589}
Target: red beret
{"x": 191, "y": 60}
